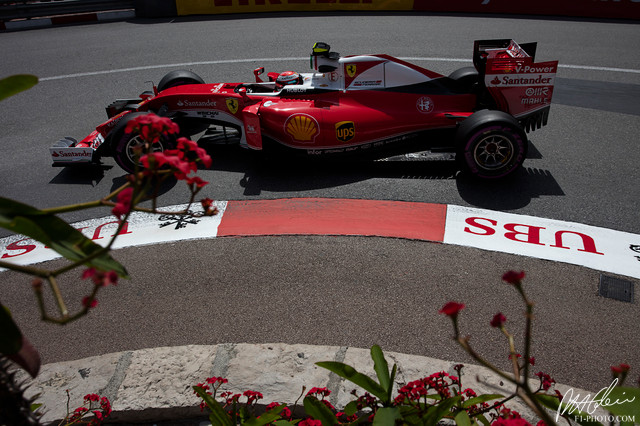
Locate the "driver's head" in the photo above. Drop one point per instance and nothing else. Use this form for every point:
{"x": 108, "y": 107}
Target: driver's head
{"x": 286, "y": 78}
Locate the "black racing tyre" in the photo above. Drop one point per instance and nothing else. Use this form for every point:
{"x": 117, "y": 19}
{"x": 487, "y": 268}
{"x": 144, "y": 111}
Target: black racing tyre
{"x": 179, "y": 78}
{"x": 467, "y": 78}
{"x": 123, "y": 144}
{"x": 490, "y": 144}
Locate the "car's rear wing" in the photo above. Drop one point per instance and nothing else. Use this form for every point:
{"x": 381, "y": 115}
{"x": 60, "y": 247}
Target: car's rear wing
{"x": 518, "y": 85}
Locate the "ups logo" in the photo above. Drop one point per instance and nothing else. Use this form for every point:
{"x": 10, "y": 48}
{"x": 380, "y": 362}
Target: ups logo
{"x": 345, "y": 131}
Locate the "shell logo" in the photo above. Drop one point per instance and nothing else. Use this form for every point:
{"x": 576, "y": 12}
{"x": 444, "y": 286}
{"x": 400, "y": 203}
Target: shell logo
{"x": 301, "y": 127}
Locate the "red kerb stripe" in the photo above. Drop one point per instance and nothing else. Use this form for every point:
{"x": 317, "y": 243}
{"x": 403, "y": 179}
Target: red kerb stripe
{"x": 313, "y": 216}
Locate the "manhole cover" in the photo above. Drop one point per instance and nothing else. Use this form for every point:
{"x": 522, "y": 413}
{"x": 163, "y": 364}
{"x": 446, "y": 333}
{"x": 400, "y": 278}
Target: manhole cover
{"x": 616, "y": 288}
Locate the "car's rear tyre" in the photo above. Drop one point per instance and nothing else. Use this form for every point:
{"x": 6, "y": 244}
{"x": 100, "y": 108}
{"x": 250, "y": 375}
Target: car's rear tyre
{"x": 179, "y": 78}
{"x": 490, "y": 144}
{"x": 124, "y": 145}
{"x": 467, "y": 78}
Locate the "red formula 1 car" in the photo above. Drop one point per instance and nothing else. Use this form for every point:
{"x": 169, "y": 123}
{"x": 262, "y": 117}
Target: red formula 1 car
{"x": 364, "y": 105}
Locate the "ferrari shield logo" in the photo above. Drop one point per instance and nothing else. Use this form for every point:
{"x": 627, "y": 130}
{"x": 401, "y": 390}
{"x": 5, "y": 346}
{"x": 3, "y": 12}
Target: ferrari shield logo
{"x": 351, "y": 70}
{"x": 232, "y": 105}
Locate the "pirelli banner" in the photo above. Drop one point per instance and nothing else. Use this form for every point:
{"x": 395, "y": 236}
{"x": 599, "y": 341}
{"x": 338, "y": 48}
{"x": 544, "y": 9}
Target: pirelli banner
{"x": 622, "y": 9}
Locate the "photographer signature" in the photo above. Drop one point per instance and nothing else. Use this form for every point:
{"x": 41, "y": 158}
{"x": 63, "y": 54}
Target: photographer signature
{"x": 570, "y": 402}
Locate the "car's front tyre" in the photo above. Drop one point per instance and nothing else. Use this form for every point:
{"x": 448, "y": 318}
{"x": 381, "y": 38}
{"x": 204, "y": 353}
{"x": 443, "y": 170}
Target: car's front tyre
{"x": 127, "y": 147}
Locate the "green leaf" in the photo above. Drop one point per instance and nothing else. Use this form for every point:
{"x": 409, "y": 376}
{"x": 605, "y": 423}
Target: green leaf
{"x": 347, "y": 372}
{"x": 480, "y": 399}
{"x": 622, "y": 401}
{"x": 55, "y": 233}
{"x": 386, "y": 416}
{"x": 573, "y": 413}
{"x": 482, "y": 419}
{"x": 11, "y": 339}
{"x": 316, "y": 409}
{"x": 351, "y": 408}
{"x": 15, "y": 84}
{"x": 437, "y": 412}
{"x": 381, "y": 368}
{"x": 462, "y": 418}
{"x": 15, "y": 346}
{"x": 266, "y": 418}
{"x": 218, "y": 416}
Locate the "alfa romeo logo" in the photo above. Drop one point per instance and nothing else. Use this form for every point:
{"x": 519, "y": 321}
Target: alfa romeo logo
{"x": 424, "y": 105}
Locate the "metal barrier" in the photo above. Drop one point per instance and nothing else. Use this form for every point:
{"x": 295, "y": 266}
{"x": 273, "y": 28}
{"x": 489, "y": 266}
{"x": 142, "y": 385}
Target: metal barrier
{"x": 26, "y": 9}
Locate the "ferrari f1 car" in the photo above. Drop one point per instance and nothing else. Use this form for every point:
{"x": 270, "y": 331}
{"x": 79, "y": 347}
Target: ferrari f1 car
{"x": 364, "y": 105}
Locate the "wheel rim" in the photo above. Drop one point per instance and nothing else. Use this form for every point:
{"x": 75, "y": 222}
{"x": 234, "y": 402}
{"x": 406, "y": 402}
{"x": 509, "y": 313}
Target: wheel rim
{"x": 493, "y": 152}
{"x": 136, "y": 142}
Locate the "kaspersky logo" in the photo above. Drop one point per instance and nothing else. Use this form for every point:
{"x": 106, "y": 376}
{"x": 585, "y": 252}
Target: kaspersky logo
{"x": 345, "y": 131}
{"x": 302, "y": 127}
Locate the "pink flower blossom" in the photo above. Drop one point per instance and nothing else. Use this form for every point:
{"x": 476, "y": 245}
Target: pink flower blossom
{"x": 513, "y": 277}
{"x": 498, "y": 320}
{"x": 88, "y": 302}
{"x": 123, "y": 203}
{"x": 452, "y": 309}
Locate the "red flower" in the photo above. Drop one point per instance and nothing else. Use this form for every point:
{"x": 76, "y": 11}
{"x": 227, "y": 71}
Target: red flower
{"x": 208, "y": 207}
{"x": 511, "y": 422}
{"x": 498, "y": 320}
{"x": 88, "y": 302}
{"x": 310, "y": 422}
{"x": 214, "y": 380}
{"x": 319, "y": 391}
{"x": 196, "y": 181}
{"x": 545, "y": 380}
{"x": 123, "y": 203}
{"x": 285, "y": 413}
{"x": 100, "y": 278}
{"x": 252, "y": 396}
{"x": 92, "y": 397}
{"x": 513, "y": 277}
{"x": 151, "y": 127}
{"x": 620, "y": 369}
{"x": 452, "y": 309}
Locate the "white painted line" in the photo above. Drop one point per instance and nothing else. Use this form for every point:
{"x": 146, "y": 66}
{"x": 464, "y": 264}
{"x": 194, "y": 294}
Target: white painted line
{"x": 596, "y": 248}
{"x": 240, "y": 61}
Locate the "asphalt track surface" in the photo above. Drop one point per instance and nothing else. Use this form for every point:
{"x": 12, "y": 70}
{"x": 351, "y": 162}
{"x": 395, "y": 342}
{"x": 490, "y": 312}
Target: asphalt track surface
{"x": 350, "y": 291}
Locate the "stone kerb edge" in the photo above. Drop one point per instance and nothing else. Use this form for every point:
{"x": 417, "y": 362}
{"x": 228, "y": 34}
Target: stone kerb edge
{"x": 156, "y": 384}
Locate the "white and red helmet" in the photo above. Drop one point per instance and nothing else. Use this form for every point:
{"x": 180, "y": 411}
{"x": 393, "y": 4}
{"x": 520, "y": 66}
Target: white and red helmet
{"x": 287, "y": 78}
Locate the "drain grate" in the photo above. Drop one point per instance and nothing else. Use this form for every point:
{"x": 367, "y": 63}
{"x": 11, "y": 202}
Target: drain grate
{"x": 616, "y": 288}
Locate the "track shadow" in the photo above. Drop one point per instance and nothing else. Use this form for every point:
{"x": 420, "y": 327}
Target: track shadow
{"x": 286, "y": 174}
{"x": 82, "y": 174}
{"x": 514, "y": 192}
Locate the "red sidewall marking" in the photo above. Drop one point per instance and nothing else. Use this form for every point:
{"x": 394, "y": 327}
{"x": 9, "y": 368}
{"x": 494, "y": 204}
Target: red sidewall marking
{"x": 315, "y": 216}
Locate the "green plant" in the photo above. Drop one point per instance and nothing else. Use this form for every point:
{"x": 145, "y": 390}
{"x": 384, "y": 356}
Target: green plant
{"x": 100, "y": 267}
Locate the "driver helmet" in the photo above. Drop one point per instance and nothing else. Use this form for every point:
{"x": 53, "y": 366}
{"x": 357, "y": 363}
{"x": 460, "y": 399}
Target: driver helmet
{"x": 287, "y": 78}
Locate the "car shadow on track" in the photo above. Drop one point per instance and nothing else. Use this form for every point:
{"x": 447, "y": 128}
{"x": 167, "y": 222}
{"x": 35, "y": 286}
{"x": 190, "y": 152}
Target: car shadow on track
{"x": 278, "y": 174}
{"x": 89, "y": 174}
{"x": 511, "y": 193}
{"x": 285, "y": 174}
